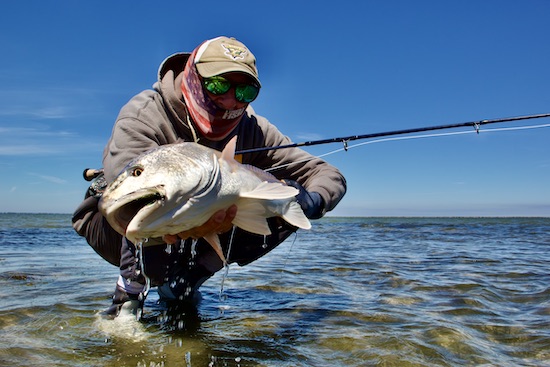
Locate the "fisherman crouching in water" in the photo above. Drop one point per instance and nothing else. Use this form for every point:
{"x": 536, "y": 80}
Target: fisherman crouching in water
{"x": 205, "y": 97}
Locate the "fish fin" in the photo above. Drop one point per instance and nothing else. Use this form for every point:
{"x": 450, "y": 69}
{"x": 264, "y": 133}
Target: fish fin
{"x": 214, "y": 241}
{"x": 295, "y": 216}
{"x": 271, "y": 191}
{"x": 251, "y": 216}
{"x": 228, "y": 152}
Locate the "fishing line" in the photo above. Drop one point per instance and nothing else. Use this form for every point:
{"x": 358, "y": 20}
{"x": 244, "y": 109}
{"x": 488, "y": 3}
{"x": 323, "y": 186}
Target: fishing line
{"x": 345, "y": 140}
{"x": 347, "y": 147}
{"x": 143, "y": 294}
{"x": 226, "y": 265}
{"x": 288, "y": 255}
{"x": 476, "y": 131}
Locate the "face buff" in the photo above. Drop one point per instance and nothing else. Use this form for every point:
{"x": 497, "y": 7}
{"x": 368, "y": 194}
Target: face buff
{"x": 213, "y": 122}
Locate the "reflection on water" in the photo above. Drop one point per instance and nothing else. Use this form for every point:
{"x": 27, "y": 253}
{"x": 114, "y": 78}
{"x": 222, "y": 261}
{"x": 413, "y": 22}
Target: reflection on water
{"x": 350, "y": 292}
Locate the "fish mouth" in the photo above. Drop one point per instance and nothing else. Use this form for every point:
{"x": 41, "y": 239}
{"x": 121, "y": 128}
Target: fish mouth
{"x": 136, "y": 205}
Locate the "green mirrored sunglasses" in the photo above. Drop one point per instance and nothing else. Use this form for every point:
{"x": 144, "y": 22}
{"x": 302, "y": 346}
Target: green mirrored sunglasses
{"x": 218, "y": 85}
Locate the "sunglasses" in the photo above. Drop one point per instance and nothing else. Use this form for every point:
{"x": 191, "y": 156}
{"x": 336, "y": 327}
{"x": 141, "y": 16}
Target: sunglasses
{"x": 218, "y": 85}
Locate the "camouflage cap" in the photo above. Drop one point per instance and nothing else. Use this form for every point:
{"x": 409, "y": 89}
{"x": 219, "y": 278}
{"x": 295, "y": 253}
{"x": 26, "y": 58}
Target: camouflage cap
{"x": 225, "y": 55}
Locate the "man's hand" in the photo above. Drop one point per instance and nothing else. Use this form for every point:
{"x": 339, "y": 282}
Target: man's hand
{"x": 311, "y": 202}
{"x": 219, "y": 222}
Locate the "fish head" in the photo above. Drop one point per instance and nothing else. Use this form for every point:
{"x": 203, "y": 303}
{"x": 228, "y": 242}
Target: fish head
{"x": 143, "y": 199}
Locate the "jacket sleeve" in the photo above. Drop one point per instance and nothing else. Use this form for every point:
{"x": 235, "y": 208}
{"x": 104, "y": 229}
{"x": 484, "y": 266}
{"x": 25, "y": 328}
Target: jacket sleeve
{"x": 90, "y": 224}
{"x": 141, "y": 125}
{"x": 296, "y": 164}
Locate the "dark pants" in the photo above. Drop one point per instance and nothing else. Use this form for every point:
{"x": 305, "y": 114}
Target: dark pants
{"x": 183, "y": 265}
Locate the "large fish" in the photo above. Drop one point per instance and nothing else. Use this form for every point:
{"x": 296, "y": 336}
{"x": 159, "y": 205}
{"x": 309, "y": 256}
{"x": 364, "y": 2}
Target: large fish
{"x": 179, "y": 186}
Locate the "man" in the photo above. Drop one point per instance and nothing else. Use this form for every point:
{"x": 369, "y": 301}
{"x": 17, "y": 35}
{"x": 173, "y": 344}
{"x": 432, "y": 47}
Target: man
{"x": 203, "y": 97}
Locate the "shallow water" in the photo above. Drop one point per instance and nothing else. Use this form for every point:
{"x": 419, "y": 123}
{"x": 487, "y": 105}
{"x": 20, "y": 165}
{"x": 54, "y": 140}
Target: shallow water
{"x": 350, "y": 292}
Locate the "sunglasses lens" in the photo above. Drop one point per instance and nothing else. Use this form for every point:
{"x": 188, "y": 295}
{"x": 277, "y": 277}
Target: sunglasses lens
{"x": 246, "y": 93}
{"x": 217, "y": 85}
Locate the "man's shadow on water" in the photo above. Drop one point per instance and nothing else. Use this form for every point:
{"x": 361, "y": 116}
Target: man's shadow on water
{"x": 181, "y": 317}
{"x": 299, "y": 312}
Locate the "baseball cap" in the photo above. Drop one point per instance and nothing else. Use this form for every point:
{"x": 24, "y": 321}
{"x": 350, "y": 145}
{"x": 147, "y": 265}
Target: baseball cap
{"x": 224, "y": 55}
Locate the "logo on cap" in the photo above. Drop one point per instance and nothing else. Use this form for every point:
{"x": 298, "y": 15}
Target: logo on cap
{"x": 235, "y": 52}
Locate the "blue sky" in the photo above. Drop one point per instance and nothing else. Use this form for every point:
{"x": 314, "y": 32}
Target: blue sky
{"x": 328, "y": 69}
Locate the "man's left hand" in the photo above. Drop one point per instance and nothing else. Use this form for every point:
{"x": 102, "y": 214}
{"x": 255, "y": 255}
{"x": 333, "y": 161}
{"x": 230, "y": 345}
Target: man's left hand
{"x": 311, "y": 202}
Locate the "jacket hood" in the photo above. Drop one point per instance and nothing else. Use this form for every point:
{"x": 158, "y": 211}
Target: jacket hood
{"x": 175, "y": 62}
{"x": 211, "y": 121}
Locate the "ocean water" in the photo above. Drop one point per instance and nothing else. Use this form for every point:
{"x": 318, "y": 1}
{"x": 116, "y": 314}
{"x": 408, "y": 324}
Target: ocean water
{"x": 349, "y": 292}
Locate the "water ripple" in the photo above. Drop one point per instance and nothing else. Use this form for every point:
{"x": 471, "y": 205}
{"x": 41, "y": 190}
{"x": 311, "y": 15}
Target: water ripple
{"x": 350, "y": 292}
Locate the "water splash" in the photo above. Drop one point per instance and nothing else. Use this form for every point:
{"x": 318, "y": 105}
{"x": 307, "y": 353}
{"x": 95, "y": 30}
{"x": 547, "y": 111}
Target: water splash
{"x": 125, "y": 326}
{"x": 193, "y": 252}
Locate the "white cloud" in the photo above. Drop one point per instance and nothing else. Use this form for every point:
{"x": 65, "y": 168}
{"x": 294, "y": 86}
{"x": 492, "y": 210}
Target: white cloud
{"x": 52, "y": 179}
{"x": 31, "y": 141}
{"x": 308, "y": 136}
{"x": 49, "y": 103}
{"x": 32, "y": 132}
{"x": 27, "y": 150}
{"x": 57, "y": 112}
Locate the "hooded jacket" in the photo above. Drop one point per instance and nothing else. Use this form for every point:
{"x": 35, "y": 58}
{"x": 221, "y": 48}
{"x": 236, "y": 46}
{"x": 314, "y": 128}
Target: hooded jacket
{"x": 159, "y": 116}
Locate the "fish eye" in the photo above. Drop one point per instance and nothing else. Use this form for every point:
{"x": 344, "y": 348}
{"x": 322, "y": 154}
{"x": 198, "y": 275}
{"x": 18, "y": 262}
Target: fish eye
{"x": 136, "y": 172}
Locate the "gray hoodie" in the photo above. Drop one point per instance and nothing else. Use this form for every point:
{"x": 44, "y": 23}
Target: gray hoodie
{"x": 159, "y": 116}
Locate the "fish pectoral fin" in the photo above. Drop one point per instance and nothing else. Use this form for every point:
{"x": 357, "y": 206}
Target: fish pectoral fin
{"x": 295, "y": 216}
{"x": 214, "y": 241}
{"x": 251, "y": 216}
{"x": 271, "y": 191}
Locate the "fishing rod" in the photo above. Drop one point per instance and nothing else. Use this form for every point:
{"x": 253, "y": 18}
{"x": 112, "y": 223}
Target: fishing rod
{"x": 89, "y": 174}
{"x": 475, "y": 124}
